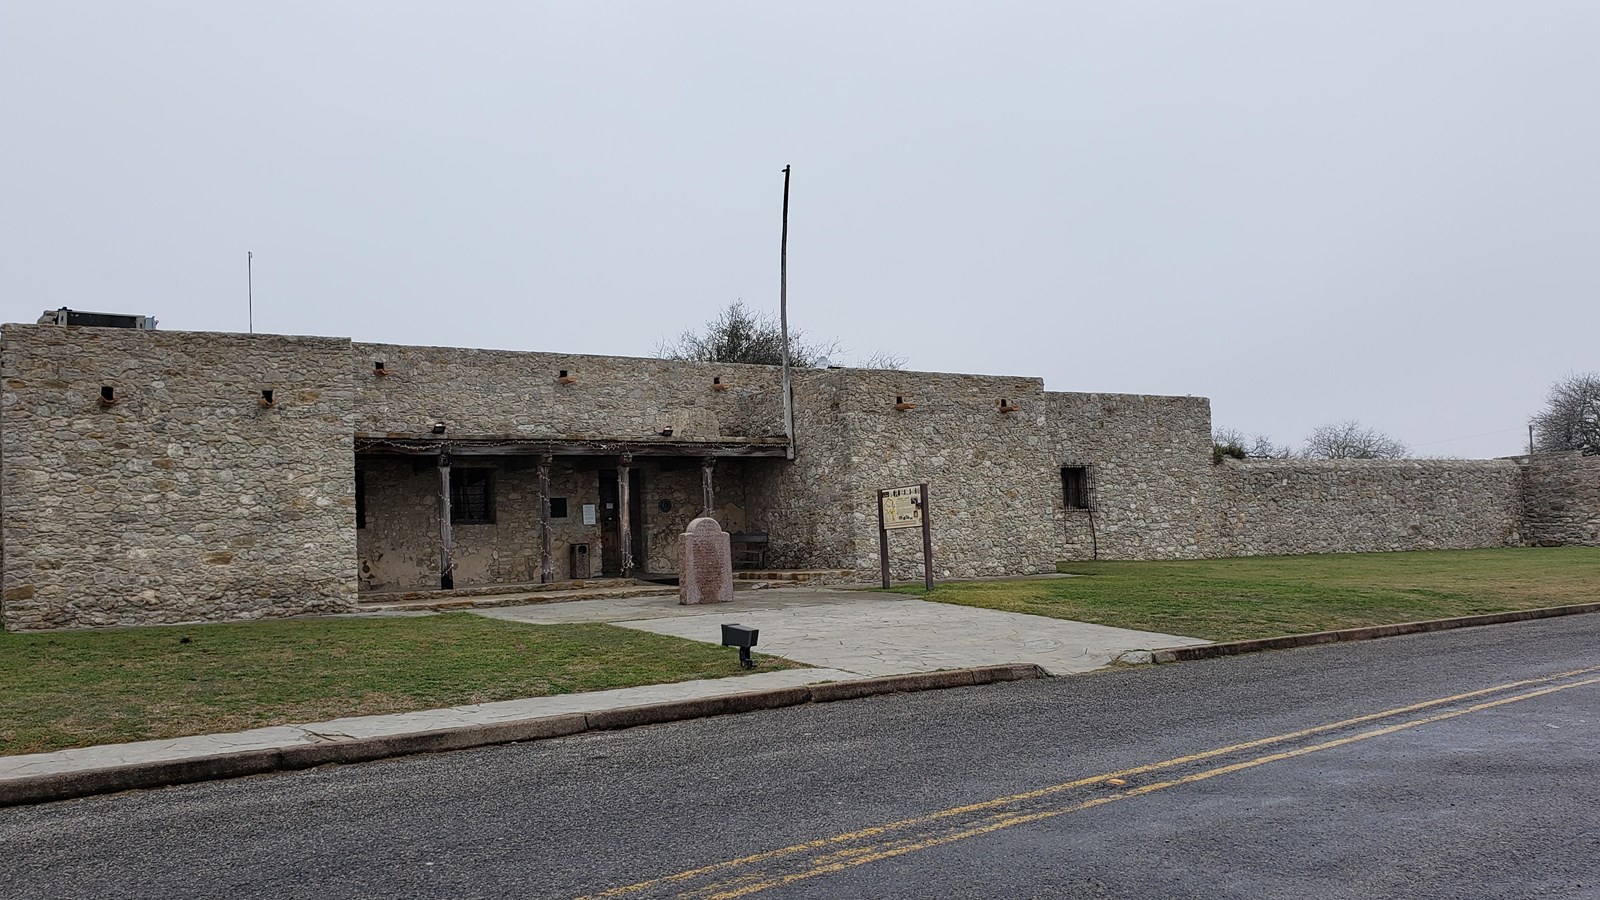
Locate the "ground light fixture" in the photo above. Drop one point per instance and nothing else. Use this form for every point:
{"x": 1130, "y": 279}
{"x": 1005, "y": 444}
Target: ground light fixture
{"x": 743, "y": 637}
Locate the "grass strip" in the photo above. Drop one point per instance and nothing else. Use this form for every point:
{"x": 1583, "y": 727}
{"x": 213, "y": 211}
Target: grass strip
{"x": 1267, "y": 596}
{"x": 74, "y": 689}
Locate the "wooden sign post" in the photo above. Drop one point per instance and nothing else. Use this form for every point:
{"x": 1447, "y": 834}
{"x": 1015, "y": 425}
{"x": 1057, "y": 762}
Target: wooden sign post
{"x": 905, "y": 507}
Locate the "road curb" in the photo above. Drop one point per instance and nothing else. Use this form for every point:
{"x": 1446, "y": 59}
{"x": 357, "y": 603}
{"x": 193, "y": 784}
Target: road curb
{"x": 1370, "y": 632}
{"x": 163, "y": 773}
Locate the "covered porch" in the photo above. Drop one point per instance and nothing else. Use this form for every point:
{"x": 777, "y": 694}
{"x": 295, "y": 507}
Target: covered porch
{"x": 435, "y": 513}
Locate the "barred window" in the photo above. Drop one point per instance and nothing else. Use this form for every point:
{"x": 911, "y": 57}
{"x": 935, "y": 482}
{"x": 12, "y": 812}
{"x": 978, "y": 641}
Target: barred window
{"x": 1075, "y": 486}
{"x": 472, "y": 496}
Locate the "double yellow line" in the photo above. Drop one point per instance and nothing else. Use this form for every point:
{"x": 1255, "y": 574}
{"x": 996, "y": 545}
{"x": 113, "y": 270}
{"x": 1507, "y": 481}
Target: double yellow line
{"x": 740, "y": 877}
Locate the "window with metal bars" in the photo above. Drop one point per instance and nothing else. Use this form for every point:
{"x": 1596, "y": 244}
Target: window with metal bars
{"x": 1075, "y": 486}
{"x": 472, "y": 496}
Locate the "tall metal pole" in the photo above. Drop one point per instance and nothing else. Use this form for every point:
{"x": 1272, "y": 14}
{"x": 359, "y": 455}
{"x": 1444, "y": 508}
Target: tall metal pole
{"x": 783, "y": 320}
{"x": 250, "y": 288}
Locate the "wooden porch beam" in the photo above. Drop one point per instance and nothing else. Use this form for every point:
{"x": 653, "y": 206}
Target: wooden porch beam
{"x": 547, "y": 565}
{"x": 447, "y": 575}
{"x": 624, "y": 525}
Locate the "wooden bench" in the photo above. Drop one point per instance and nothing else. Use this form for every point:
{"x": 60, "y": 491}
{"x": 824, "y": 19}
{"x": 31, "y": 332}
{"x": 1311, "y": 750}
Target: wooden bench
{"x": 749, "y": 549}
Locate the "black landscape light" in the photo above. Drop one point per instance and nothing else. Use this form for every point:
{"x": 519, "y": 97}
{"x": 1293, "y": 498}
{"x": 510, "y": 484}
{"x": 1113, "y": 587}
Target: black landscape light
{"x": 438, "y": 428}
{"x": 743, "y": 637}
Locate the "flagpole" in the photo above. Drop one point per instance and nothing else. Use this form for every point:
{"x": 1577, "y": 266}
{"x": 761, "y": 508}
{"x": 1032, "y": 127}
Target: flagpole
{"x": 783, "y": 320}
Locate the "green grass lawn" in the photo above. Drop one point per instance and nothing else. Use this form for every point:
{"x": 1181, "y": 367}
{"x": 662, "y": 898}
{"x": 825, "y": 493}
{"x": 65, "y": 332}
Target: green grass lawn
{"x": 74, "y": 689}
{"x": 1264, "y": 596}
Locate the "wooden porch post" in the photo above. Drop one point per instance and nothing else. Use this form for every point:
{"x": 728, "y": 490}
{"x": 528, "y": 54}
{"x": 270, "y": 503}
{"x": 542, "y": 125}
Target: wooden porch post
{"x": 547, "y": 565}
{"x": 708, "y": 493}
{"x": 447, "y": 575}
{"x": 624, "y": 525}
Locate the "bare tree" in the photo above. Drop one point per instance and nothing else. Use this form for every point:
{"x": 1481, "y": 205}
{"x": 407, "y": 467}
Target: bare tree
{"x": 1352, "y": 440}
{"x": 1262, "y": 447}
{"x": 1233, "y": 442}
{"x": 1228, "y": 442}
{"x": 1570, "y": 419}
{"x": 739, "y": 334}
{"x": 883, "y": 359}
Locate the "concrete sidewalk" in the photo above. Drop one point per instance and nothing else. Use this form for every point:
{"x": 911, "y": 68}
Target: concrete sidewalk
{"x": 359, "y": 727}
{"x": 861, "y": 644}
{"x": 868, "y": 633}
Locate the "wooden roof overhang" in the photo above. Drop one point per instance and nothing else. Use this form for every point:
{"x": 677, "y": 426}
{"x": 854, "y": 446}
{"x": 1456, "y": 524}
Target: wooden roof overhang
{"x": 417, "y": 445}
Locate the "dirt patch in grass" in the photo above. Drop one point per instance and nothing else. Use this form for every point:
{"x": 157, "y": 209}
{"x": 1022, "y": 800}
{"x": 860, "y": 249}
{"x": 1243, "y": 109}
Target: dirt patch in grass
{"x": 1250, "y": 597}
{"x": 74, "y": 689}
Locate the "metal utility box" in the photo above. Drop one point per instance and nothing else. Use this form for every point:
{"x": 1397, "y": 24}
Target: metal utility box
{"x": 581, "y": 565}
{"x": 64, "y": 316}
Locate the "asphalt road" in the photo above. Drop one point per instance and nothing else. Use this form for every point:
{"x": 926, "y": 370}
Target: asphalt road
{"x": 1470, "y": 771}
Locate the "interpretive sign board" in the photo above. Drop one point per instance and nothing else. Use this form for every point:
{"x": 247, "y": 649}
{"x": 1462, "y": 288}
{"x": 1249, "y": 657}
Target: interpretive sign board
{"x": 902, "y": 506}
{"x": 905, "y": 507}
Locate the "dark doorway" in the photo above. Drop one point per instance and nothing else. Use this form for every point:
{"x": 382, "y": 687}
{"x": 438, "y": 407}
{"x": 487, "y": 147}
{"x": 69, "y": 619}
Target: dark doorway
{"x": 610, "y": 522}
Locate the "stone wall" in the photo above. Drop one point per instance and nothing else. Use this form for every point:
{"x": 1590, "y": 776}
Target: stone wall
{"x": 807, "y": 505}
{"x": 185, "y": 499}
{"x": 1360, "y": 506}
{"x": 1561, "y": 500}
{"x": 1152, "y": 489}
{"x": 400, "y": 542}
{"x": 988, "y": 473}
{"x": 488, "y": 393}
{"x": 680, "y": 488}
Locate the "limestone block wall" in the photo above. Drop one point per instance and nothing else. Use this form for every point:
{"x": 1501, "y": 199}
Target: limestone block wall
{"x": 484, "y": 393}
{"x": 1361, "y": 506}
{"x": 1561, "y": 500}
{"x": 988, "y": 473}
{"x": 400, "y": 542}
{"x": 1152, "y": 491}
{"x": 399, "y": 546}
{"x": 679, "y": 489}
{"x": 185, "y": 499}
{"x": 808, "y": 505}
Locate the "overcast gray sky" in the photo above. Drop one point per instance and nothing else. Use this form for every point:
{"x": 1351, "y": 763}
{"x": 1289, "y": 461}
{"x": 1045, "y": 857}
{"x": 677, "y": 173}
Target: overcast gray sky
{"x": 1387, "y": 211}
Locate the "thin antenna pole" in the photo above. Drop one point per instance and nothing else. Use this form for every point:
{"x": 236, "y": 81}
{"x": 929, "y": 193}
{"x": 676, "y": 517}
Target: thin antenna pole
{"x": 783, "y": 320}
{"x": 1530, "y": 440}
{"x": 250, "y": 288}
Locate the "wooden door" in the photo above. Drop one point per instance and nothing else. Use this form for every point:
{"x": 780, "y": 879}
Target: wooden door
{"x": 611, "y": 523}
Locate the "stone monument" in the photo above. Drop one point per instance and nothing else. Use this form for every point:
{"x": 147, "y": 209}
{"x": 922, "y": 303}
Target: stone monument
{"x": 705, "y": 564}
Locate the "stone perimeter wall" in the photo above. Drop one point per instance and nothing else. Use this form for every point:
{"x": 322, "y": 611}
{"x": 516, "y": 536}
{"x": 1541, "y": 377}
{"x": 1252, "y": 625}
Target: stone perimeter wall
{"x": 400, "y": 542}
{"x": 188, "y": 500}
{"x": 185, "y": 500}
{"x": 1359, "y": 506}
{"x": 989, "y": 474}
{"x": 1561, "y": 500}
{"x": 1152, "y": 487}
